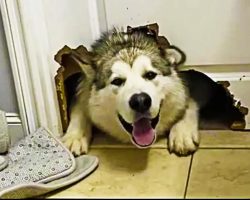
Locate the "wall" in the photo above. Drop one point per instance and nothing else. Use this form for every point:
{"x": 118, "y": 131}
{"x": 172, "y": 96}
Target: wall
{"x": 214, "y": 34}
{"x": 67, "y": 24}
{"x": 8, "y": 101}
{"x": 209, "y": 31}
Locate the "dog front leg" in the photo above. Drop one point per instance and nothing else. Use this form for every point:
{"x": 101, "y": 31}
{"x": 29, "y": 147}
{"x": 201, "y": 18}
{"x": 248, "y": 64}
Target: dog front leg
{"x": 184, "y": 135}
{"x": 78, "y": 135}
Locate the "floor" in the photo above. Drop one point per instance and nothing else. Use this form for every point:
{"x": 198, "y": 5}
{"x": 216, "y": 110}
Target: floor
{"x": 219, "y": 169}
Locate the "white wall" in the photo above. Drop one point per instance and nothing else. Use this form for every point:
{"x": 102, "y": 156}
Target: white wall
{"x": 67, "y": 24}
{"x": 209, "y": 31}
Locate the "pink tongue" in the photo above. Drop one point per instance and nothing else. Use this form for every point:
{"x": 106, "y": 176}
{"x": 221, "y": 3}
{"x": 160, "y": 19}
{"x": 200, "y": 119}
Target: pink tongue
{"x": 143, "y": 133}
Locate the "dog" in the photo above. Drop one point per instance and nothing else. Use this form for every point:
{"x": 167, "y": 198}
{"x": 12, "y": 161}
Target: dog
{"x": 134, "y": 92}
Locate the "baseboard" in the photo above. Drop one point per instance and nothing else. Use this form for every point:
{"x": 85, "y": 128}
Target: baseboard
{"x": 15, "y": 127}
{"x": 13, "y": 118}
{"x": 223, "y": 72}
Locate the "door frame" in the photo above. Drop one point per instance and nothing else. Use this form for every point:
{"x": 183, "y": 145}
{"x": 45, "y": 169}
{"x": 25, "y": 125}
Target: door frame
{"x": 27, "y": 42}
{"x": 18, "y": 59}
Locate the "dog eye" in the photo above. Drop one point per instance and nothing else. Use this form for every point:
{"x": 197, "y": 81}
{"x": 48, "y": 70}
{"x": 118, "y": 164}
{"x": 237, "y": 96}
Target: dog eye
{"x": 149, "y": 75}
{"x": 118, "y": 81}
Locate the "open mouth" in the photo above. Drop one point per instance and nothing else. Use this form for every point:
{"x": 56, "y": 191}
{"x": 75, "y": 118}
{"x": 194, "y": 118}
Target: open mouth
{"x": 142, "y": 131}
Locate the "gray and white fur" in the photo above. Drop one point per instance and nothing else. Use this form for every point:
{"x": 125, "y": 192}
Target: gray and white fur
{"x": 132, "y": 88}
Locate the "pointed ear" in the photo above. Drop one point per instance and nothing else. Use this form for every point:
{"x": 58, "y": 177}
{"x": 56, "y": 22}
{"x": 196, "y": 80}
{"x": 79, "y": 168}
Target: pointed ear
{"x": 174, "y": 56}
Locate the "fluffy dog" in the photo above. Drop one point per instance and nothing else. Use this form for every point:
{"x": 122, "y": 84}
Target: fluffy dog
{"x": 133, "y": 92}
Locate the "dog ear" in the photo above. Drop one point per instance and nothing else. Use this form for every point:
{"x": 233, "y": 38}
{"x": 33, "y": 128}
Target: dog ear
{"x": 174, "y": 56}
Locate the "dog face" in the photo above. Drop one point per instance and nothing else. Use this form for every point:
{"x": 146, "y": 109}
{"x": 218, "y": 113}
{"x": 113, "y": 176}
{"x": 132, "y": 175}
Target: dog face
{"x": 140, "y": 77}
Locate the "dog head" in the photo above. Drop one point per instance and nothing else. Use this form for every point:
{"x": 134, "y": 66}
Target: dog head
{"x": 140, "y": 76}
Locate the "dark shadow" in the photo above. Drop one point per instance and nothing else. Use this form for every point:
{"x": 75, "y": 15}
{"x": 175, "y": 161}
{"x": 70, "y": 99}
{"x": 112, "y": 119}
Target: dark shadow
{"x": 70, "y": 85}
{"x": 216, "y": 103}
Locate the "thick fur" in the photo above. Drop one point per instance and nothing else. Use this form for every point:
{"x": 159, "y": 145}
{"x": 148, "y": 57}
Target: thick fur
{"x": 98, "y": 102}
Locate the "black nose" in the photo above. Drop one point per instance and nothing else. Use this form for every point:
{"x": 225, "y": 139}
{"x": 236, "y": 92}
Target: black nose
{"x": 140, "y": 102}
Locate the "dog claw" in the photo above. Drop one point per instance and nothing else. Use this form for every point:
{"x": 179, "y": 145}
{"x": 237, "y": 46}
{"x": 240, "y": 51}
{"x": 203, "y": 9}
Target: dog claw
{"x": 182, "y": 145}
{"x": 77, "y": 144}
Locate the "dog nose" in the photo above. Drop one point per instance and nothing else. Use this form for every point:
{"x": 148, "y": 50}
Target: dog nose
{"x": 140, "y": 102}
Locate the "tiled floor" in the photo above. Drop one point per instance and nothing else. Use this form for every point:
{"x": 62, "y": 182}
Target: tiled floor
{"x": 220, "y": 168}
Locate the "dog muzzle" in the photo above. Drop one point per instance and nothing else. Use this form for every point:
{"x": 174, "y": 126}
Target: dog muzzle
{"x": 142, "y": 131}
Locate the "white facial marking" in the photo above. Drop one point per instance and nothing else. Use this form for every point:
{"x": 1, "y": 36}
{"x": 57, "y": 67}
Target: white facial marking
{"x": 135, "y": 83}
{"x": 143, "y": 64}
{"x": 120, "y": 69}
{"x": 106, "y": 103}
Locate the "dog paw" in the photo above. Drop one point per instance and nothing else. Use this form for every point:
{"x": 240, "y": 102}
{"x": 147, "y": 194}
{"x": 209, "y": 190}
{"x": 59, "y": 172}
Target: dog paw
{"x": 183, "y": 143}
{"x": 76, "y": 143}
